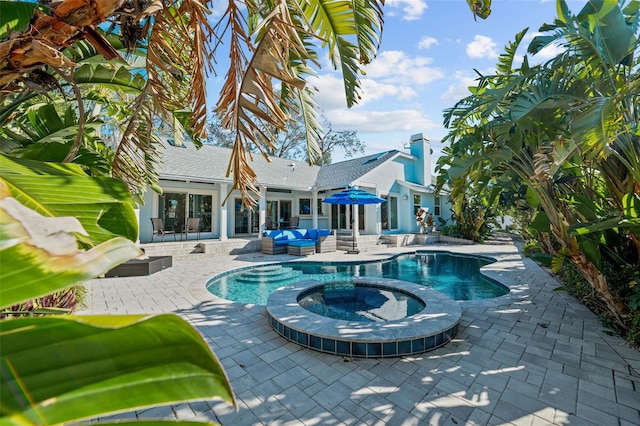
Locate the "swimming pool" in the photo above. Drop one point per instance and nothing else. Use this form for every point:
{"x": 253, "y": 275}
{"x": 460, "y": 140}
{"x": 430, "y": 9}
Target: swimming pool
{"x": 457, "y": 276}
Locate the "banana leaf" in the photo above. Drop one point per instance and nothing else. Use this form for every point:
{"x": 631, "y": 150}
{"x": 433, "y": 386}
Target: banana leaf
{"x": 15, "y": 16}
{"x": 103, "y": 205}
{"x": 62, "y": 369}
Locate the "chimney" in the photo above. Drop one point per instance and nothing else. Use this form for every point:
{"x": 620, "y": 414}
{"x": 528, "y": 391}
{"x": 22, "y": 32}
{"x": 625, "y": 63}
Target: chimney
{"x": 421, "y": 150}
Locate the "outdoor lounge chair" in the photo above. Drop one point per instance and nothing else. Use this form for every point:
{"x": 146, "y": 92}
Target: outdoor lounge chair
{"x": 268, "y": 224}
{"x": 158, "y": 229}
{"x": 193, "y": 226}
{"x": 295, "y": 222}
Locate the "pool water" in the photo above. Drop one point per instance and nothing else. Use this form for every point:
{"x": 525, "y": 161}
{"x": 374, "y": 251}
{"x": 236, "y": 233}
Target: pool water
{"x": 457, "y": 276}
{"x": 359, "y": 302}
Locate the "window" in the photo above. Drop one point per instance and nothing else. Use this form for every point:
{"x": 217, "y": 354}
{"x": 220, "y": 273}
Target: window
{"x": 245, "y": 220}
{"x": 384, "y": 213}
{"x": 417, "y": 204}
{"x": 285, "y": 210}
{"x": 436, "y": 207}
{"x": 272, "y": 211}
{"x": 175, "y": 208}
{"x": 305, "y": 206}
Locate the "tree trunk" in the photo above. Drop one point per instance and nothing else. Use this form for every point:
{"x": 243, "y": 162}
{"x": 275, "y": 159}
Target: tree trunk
{"x": 601, "y": 287}
{"x": 42, "y": 42}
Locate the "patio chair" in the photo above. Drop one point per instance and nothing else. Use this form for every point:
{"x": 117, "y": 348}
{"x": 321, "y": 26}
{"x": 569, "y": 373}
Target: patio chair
{"x": 294, "y": 223}
{"x": 268, "y": 223}
{"x": 193, "y": 225}
{"x": 158, "y": 229}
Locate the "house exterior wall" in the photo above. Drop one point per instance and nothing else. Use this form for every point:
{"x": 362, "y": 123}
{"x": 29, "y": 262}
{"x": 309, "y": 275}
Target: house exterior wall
{"x": 380, "y": 180}
{"x": 383, "y": 181}
{"x": 402, "y": 175}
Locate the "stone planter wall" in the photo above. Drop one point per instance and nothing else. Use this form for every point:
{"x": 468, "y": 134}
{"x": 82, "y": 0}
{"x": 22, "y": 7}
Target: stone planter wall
{"x": 403, "y": 240}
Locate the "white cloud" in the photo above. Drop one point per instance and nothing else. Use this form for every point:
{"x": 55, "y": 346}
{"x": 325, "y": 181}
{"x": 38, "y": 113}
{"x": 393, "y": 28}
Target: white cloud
{"x": 406, "y": 120}
{"x": 482, "y": 47}
{"x": 330, "y": 94}
{"x": 330, "y": 91}
{"x": 395, "y": 66}
{"x": 550, "y": 51}
{"x": 392, "y": 75}
{"x": 373, "y": 90}
{"x": 426, "y": 42}
{"x": 459, "y": 89}
{"x": 411, "y": 9}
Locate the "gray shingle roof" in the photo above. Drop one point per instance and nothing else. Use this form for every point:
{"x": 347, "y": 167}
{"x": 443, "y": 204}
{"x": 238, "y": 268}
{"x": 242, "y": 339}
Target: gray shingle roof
{"x": 343, "y": 173}
{"x": 209, "y": 163}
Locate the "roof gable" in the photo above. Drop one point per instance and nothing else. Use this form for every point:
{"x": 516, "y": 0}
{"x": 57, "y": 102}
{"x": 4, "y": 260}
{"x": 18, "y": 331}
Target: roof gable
{"x": 343, "y": 173}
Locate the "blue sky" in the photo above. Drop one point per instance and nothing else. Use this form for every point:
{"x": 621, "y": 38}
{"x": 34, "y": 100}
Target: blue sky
{"x": 425, "y": 64}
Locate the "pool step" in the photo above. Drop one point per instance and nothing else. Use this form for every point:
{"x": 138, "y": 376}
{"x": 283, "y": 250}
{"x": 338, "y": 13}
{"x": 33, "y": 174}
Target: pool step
{"x": 269, "y": 274}
{"x": 363, "y": 243}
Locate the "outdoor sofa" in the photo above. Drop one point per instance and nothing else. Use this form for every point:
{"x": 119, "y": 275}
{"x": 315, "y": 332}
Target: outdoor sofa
{"x": 277, "y": 241}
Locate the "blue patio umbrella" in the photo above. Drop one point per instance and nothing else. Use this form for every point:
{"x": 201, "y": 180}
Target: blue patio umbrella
{"x": 353, "y": 196}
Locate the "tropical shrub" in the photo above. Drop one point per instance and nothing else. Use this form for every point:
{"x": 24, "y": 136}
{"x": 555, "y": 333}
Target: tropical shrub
{"x": 67, "y": 300}
{"x": 473, "y": 220}
{"x": 624, "y": 281}
{"x": 567, "y": 131}
{"x": 63, "y": 369}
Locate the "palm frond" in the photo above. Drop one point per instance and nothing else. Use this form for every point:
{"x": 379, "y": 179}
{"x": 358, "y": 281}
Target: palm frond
{"x": 115, "y": 77}
{"x": 312, "y": 126}
{"x": 176, "y": 64}
{"x": 137, "y": 155}
{"x": 368, "y": 20}
{"x": 505, "y": 60}
{"x": 334, "y": 21}
{"x": 546, "y": 94}
{"x": 254, "y": 108}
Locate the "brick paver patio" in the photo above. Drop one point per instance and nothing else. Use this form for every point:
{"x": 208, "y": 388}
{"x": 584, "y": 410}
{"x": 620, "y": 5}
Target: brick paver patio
{"x": 533, "y": 357}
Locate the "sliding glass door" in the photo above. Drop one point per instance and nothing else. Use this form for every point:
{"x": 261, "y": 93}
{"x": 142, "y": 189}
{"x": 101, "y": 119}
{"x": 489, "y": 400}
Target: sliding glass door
{"x": 200, "y": 206}
{"x": 174, "y": 210}
{"x": 341, "y": 217}
{"x": 389, "y": 213}
{"x": 279, "y": 211}
{"x": 246, "y": 221}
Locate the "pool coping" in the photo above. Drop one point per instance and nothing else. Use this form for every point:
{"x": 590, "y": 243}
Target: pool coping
{"x": 429, "y": 329}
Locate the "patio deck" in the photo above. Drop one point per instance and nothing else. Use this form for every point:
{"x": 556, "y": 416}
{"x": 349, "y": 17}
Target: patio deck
{"x": 535, "y": 356}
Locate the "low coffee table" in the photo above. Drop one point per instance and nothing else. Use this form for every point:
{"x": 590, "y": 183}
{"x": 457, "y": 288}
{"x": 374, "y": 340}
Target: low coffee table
{"x": 301, "y": 248}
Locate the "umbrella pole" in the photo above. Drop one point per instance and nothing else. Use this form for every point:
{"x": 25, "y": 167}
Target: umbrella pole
{"x": 353, "y": 237}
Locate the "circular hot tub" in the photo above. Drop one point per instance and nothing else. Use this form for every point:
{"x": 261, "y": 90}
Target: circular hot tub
{"x": 352, "y": 301}
{"x": 373, "y": 318}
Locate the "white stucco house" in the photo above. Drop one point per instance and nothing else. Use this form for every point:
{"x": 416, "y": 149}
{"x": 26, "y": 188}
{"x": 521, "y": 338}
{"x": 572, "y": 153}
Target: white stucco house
{"x": 194, "y": 185}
